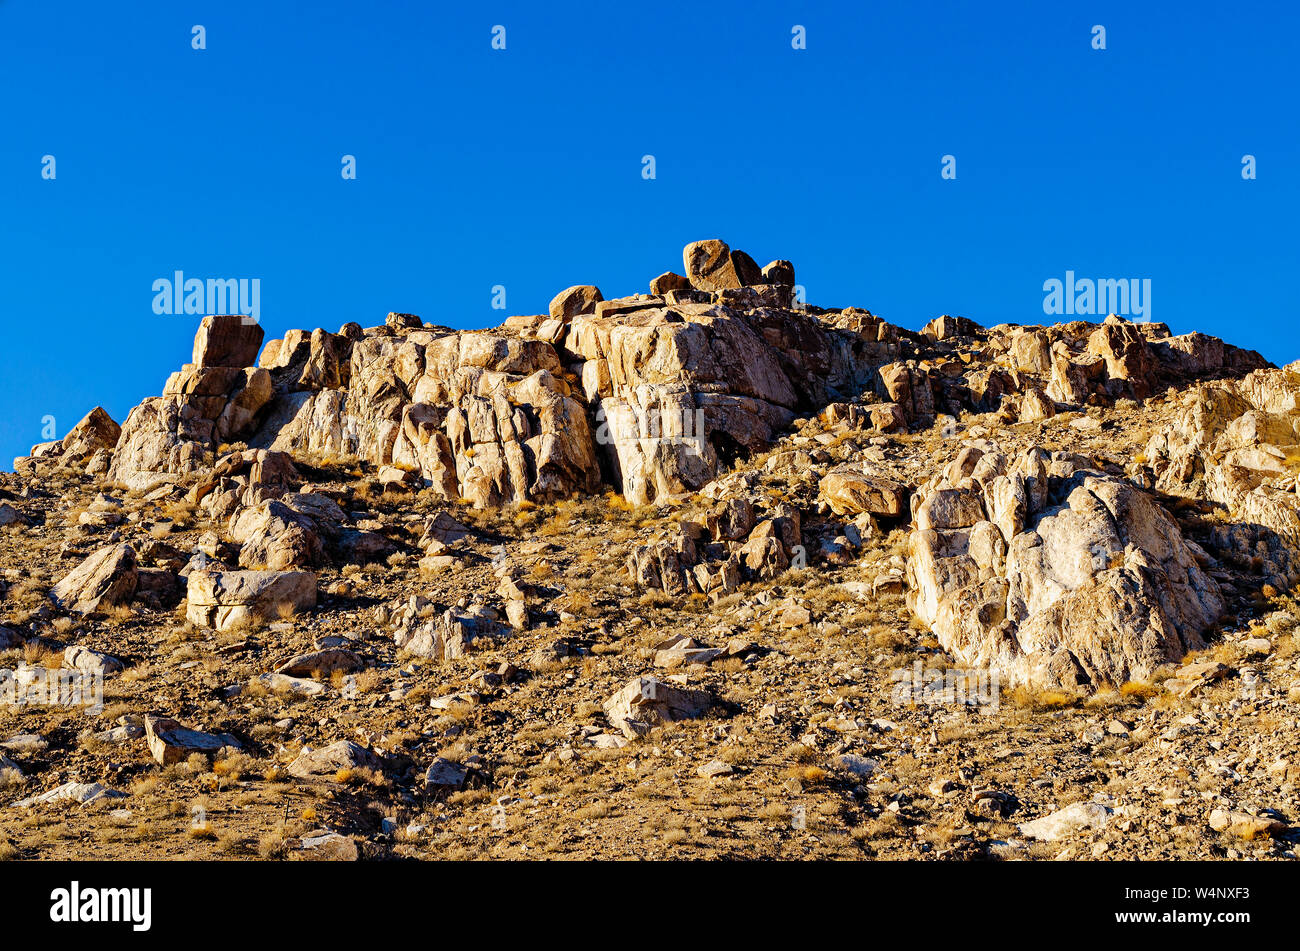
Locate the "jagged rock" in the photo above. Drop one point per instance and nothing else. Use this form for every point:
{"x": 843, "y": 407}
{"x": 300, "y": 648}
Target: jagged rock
{"x": 227, "y": 342}
{"x": 106, "y": 579}
{"x": 451, "y": 634}
{"x": 851, "y": 491}
{"x": 292, "y": 531}
{"x": 443, "y": 529}
{"x": 170, "y": 742}
{"x": 732, "y": 519}
{"x": 1035, "y": 406}
{"x": 681, "y": 650}
{"x": 174, "y": 436}
{"x": 1050, "y": 573}
{"x": 644, "y": 702}
{"x": 910, "y": 389}
{"x": 227, "y": 599}
{"x": 1236, "y": 443}
{"x": 95, "y": 432}
{"x": 244, "y": 479}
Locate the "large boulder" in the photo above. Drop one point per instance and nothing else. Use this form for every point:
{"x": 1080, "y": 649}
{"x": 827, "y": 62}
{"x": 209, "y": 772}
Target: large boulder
{"x": 171, "y": 742}
{"x": 850, "y": 490}
{"x": 228, "y": 599}
{"x": 107, "y": 578}
{"x": 1051, "y": 573}
{"x": 572, "y": 301}
{"x": 712, "y": 266}
{"x": 645, "y": 702}
{"x": 94, "y": 432}
{"x": 227, "y": 341}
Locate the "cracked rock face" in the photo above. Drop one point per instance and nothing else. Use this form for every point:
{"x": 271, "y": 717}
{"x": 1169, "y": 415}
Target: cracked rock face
{"x": 1237, "y": 443}
{"x": 1027, "y": 563}
{"x": 1052, "y": 574}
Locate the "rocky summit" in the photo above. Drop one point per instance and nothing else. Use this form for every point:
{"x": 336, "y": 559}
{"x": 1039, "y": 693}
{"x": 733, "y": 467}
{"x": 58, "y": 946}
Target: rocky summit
{"x": 699, "y": 572}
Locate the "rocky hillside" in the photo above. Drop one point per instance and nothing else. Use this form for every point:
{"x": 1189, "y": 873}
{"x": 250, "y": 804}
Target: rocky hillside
{"x": 700, "y": 572}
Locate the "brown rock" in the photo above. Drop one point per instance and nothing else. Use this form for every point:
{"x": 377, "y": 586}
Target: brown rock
{"x": 574, "y": 301}
{"x": 230, "y": 341}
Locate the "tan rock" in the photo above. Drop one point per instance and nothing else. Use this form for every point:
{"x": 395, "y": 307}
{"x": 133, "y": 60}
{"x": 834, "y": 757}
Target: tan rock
{"x": 574, "y": 301}
{"x": 229, "y": 599}
{"x": 107, "y": 578}
{"x": 231, "y": 341}
{"x": 645, "y": 702}
{"x": 851, "y": 491}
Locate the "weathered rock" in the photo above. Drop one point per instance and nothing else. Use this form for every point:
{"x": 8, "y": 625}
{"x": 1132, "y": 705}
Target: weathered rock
{"x": 681, "y": 650}
{"x": 778, "y": 272}
{"x": 325, "y": 845}
{"x": 81, "y": 793}
{"x": 231, "y": 341}
{"x": 644, "y": 702}
{"x": 228, "y": 599}
{"x": 1243, "y": 825}
{"x": 106, "y": 579}
{"x": 1068, "y": 821}
{"x": 443, "y": 529}
{"x": 445, "y": 774}
{"x": 450, "y": 634}
{"x": 170, "y": 742}
{"x": 851, "y": 491}
{"x": 329, "y": 760}
{"x": 96, "y": 431}
{"x": 669, "y": 281}
{"x": 573, "y": 301}
{"x": 92, "y": 662}
{"x": 712, "y": 266}
{"x": 321, "y": 663}
{"x": 1051, "y": 575}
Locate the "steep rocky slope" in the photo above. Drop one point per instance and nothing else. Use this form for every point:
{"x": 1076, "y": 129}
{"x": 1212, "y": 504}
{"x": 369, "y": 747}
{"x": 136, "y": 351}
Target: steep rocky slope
{"x": 704, "y": 571}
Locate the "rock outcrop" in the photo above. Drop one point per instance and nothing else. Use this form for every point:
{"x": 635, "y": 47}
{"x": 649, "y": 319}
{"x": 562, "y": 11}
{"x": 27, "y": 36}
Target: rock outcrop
{"x": 1237, "y": 444}
{"x": 1052, "y": 573}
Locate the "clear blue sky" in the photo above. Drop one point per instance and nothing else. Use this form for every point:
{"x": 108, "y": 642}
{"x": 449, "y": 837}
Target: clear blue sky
{"x": 522, "y": 167}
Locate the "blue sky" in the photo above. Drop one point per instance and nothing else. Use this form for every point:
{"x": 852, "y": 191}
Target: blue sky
{"x": 522, "y": 168}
